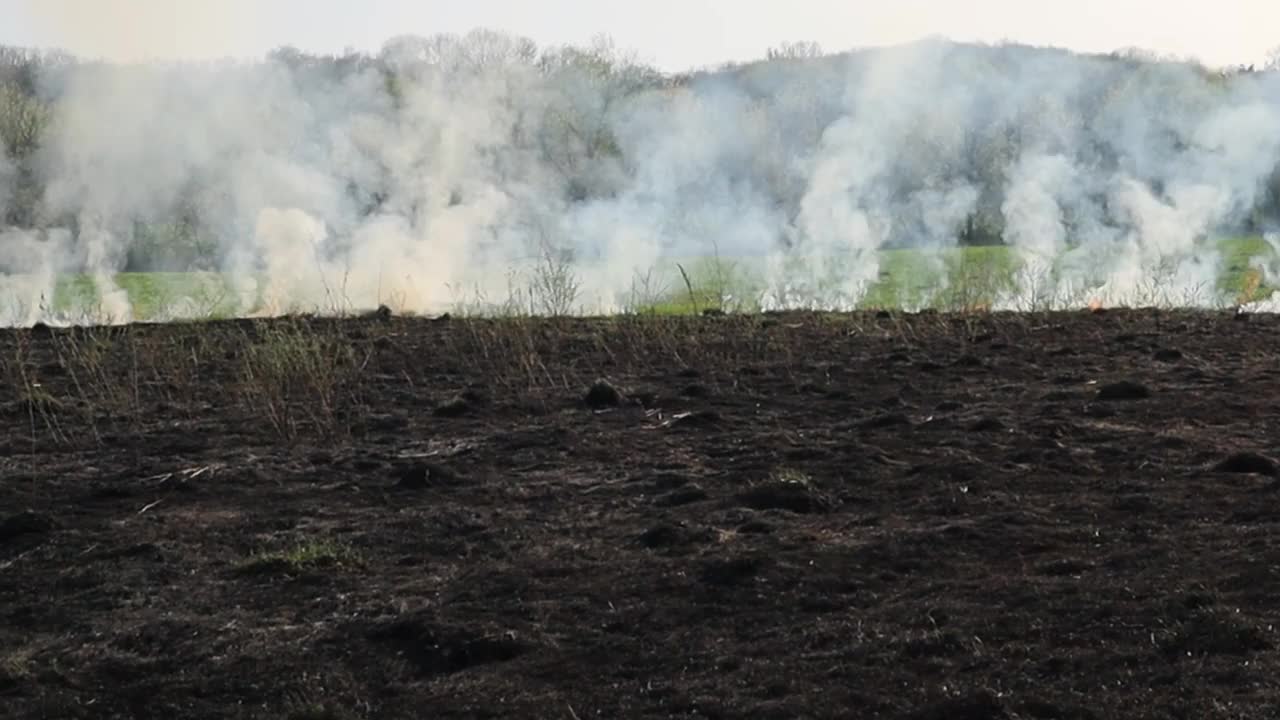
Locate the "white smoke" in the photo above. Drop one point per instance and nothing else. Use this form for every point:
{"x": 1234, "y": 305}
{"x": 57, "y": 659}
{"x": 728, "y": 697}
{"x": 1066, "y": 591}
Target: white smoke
{"x": 8, "y": 175}
{"x": 456, "y": 165}
{"x": 31, "y": 263}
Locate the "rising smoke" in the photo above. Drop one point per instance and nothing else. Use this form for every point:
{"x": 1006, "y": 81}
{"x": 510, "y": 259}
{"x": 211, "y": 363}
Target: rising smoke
{"x": 447, "y": 166}
{"x": 7, "y": 176}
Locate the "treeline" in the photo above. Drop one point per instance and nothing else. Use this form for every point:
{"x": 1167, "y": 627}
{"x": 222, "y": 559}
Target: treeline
{"x": 588, "y": 119}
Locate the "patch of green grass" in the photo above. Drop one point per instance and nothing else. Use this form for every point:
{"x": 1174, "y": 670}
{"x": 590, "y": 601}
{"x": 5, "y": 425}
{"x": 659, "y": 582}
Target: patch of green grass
{"x": 152, "y": 296}
{"x": 15, "y": 665}
{"x": 906, "y": 278}
{"x": 1238, "y": 275}
{"x": 707, "y": 283}
{"x": 969, "y": 278}
{"x": 310, "y": 556}
{"x": 952, "y": 278}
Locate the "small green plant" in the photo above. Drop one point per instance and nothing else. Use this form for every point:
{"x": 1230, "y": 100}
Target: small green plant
{"x": 16, "y": 665}
{"x": 303, "y": 557}
{"x": 792, "y": 477}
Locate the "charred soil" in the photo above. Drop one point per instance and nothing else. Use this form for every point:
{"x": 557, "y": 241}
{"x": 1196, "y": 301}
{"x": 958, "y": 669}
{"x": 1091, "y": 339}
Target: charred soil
{"x": 796, "y": 515}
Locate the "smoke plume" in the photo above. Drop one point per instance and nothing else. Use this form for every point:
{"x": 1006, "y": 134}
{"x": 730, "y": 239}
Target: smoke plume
{"x": 449, "y": 169}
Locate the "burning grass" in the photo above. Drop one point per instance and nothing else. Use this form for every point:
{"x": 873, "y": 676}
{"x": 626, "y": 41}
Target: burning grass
{"x": 957, "y": 279}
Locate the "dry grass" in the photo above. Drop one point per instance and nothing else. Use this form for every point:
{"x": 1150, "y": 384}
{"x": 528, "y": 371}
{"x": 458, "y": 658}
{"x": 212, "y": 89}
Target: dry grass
{"x": 31, "y": 399}
{"x": 75, "y": 387}
{"x": 92, "y": 360}
{"x": 299, "y": 379}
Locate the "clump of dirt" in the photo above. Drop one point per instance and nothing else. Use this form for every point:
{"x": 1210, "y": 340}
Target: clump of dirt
{"x": 25, "y": 523}
{"x": 1212, "y": 631}
{"x": 684, "y": 495}
{"x": 732, "y": 571}
{"x": 454, "y": 407}
{"x": 987, "y": 425}
{"x": 1124, "y": 390}
{"x": 381, "y": 314}
{"x": 603, "y": 395}
{"x": 436, "y": 649}
{"x": 672, "y": 536}
{"x": 1248, "y": 463}
{"x": 786, "y": 494}
{"x": 696, "y": 391}
{"x": 423, "y": 475}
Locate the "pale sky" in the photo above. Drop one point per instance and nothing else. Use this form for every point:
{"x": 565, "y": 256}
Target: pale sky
{"x": 672, "y": 34}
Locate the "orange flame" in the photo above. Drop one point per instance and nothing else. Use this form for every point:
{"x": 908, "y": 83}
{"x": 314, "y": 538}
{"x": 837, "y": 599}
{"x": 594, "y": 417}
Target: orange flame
{"x": 1095, "y": 305}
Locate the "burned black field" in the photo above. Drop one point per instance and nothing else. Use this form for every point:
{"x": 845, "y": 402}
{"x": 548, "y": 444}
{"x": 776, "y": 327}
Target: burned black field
{"x": 1067, "y": 516}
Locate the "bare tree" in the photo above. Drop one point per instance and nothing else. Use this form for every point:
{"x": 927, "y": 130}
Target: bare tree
{"x": 477, "y": 51}
{"x": 587, "y": 87}
{"x": 23, "y": 119}
{"x": 805, "y": 50}
{"x": 1272, "y": 63}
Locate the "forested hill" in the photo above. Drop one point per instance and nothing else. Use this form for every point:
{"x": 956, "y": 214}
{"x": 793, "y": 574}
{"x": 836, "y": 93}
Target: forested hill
{"x": 493, "y": 140}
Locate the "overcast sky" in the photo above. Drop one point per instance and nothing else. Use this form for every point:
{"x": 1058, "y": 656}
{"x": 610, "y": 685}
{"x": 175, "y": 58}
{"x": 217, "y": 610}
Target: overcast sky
{"x": 673, "y": 34}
